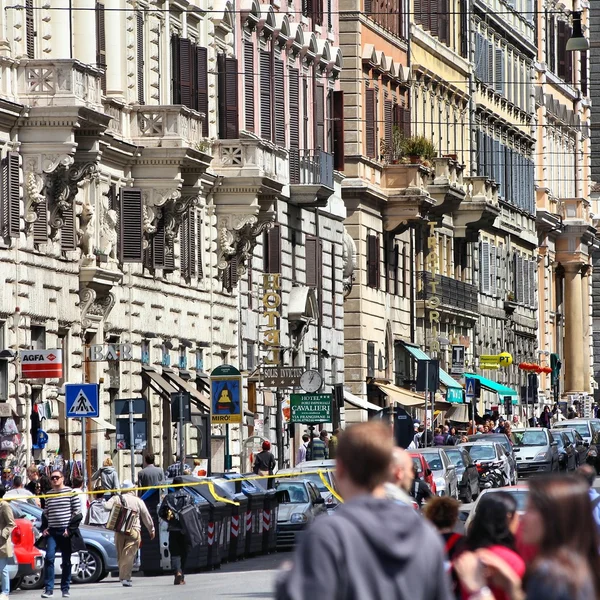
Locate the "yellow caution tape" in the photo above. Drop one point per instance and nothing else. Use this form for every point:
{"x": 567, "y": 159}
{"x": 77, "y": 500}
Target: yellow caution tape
{"x": 326, "y": 484}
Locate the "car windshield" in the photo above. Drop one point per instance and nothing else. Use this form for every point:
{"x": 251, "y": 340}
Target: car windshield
{"x": 482, "y": 452}
{"x": 581, "y": 428}
{"x": 316, "y": 479}
{"x": 456, "y": 458}
{"x": 519, "y": 495}
{"x": 529, "y": 438}
{"x": 559, "y": 441}
{"x": 297, "y": 492}
{"x": 595, "y": 426}
{"x": 434, "y": 461}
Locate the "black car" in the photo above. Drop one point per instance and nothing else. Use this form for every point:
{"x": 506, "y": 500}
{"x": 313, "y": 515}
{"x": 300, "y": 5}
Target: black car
{"x": 567, "y": 455}
{"x": 579, "y": 445}
{"x": 466, "y": 471}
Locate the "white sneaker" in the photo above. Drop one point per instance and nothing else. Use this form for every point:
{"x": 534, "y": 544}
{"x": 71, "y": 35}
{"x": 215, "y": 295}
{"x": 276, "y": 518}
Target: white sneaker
{"x": 3, "y": 596}
{"x": 125, "y": 582}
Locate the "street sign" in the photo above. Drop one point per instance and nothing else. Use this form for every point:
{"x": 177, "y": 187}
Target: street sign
{"x": 225, "y": 395}
{"x": 41, "y": 364}
{"x": 310, "y": 408}
{"x": 458, "y": 360}
{"x": 82, "y": 400}
{"x": 470, "y": 388}
{"x": 124, "y": 435}
{"x": 181, "y": 400}
{"x": 121, "y": 406}
{"x": 428, "y": 375}
{"x": 282, "y": 376}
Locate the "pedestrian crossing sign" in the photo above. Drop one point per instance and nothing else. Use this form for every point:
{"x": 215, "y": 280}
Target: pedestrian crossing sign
{"x": 470, "y": 387}
{"x": 82, "y": 400}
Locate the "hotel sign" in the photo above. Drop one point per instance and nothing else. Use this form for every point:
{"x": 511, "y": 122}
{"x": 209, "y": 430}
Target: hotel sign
{"x": 433, "y": 300}
{"x": 271, "y": 302}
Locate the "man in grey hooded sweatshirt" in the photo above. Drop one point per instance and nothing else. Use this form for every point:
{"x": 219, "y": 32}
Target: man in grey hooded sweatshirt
{"x": 371, "y": 548}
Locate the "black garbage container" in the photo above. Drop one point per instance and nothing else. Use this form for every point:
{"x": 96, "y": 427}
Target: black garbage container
{"x": 253, "y": 520}
{"x": 270, "y": 513}
{"x": 219, "y": 522}
{"x": 150, "y": 552}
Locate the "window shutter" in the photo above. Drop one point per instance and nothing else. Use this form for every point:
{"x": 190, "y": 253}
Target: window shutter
{"x": 249, "y": 85}
{"x": 533, "y": 280}
{"x": 67, "y": 231}
{"x": 490, "y": 66}
{"x": 388, "y": 109}
{"x": 294, "y": 118}
{"x": 373, "y": 258}
{"x": 568, "y": 57}
{"x": 338, "y": 130}
{"x": 40, "y": 225}
{"x": 29, "y": 29}
{"x": 140, "y": 56}
{"x": 101, "y": 43}
{"x": 499, "y": 82}
{"x": 184, "y": 244}
{"x": 198, "y": 233}
{"x": 418, "y": 8}
{"x": 493, "y": 270}
{"x": 175, "y": 69}
{"x": 11, "y": 196}
{"x": 320, "y": 116}
{"x": 552, "y": 43}
{"x": 202, "y": 86}
{"x": 131, "y": 228}
{"x": 185, "y": 72}
{"x": 279, "y": 93}
{"x": 484, "y": 267}
{"x": 426, "y": 13}
{"x": 228, "y": 97}
{"x": 232, "y": 272}
{"x": 396, "y": 263}
{"x": 433, "y": 16}
{"x": 169, "y": 256}
{"x": 312, "y": 261}
{"x": 521, "y": 279}
{"x": 265, "y": 94}
{"x": 444, "y": 21}
{"x": 272, "y": 250}
{"x": 370, "y": 359}
{"x": 584, "y": 72}
{"x": 370, "y": 122}
{"x": 561, "y": 49}
{"x": 159, "y": 246}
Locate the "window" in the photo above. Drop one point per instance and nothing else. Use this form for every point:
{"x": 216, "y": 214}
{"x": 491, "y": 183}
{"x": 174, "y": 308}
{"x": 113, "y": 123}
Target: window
{"x": 265, "y": 94}
{"x": 145, "y": 350}
{"x": 30, "y": 29}
{"x": 434, "y": 15}
{"x": 249, "y": 85}
{"x": 131, "y": 228}
{"x": 199, "y": 359}
{"x": 484, "y": 267}
{"x": 38, "y": 337}
{"x": 250, "y": 356}
{"x": 228, "y": 97}
{"x": 139, "y": 16}
{"x": 373, "y": 259}
{"x": 314, "y": 261}
{"x": 165, "y": 355}
{"x": 371, "y": 123}
{"x": 279, "y": 114}
{"x": 272, "y": 250}
{"x": 338, "y": 129}
{"x": 188, "y": 243}
{"x": 11, "y": 196}
{"x": 182, "y": 362}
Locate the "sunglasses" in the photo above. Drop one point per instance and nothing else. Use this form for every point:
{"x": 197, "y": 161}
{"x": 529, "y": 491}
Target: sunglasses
{"x": 55, "y": 477}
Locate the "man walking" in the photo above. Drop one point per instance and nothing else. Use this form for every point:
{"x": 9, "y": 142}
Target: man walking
{"x": 18, "y": 491}
{"x": 317, "y": 449}
{"x": 62, "y": 514}
{"x": 150, "y": 475}
{"x": 398, "y": 486}
{"x": 370, "y": 548}
{"x": 301, "y": 455}
{"x": 128, "y": 543}
{"x": 333, "y": 440}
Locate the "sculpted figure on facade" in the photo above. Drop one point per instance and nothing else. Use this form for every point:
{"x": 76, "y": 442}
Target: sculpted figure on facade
{"x": 348, "y": 262}
{"x": 109, "y": 235}
{"x": 34, "y": 185}
{"x": 85, "y": 231}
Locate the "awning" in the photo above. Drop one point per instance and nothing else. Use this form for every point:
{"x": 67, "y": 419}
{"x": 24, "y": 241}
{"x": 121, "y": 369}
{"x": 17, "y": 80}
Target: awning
{"x": 401, "y": 396}
{"x": 188, "y": 387}
{"x": 359, "y": 402}
{"x": 458, "y": 414}
{"x": 454, "y": 391}
{"x": 492, "y": 386}
{"x": 158, "y": 383}
{"x": 104, "y": 425}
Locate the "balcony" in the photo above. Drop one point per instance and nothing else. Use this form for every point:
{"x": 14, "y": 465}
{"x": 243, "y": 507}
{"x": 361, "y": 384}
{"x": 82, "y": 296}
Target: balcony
{"x": 119, "y": 122}
{"x": 447, "y": 187}
{"x": 311, "y": 177}
{"x": 169, "y": 126}
{"x": 452, "y": 293}
{"x": 479, "y": 209}
{"x": 58, "y": 82}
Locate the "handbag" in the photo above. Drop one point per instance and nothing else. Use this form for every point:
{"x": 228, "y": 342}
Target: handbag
{"x": 121, "y": 518}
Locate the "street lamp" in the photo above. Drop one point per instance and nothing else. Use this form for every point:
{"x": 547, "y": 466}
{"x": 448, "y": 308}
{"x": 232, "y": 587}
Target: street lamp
{"x": 577, "y": 42}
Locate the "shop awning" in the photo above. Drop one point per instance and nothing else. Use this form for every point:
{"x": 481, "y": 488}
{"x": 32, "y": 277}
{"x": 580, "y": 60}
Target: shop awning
{"x": 492, "y": 386}
{"x": 185, "y": 386}
{"x": 454, "y": 391}
{"x": 401, "y": 396}
{"x": 104, "y": 425}
{"x": 158, "y": 383}
{"x": 359, "y": 402}
{"x": 458, "y": 414}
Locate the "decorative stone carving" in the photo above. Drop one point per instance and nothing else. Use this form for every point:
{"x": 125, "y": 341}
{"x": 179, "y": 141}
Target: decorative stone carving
{"x": 94, "y": 308}
{"x": 34, "y": 184}
{"x": 109, "y": 236}
{"x": 173, "y": 212}
{"x": 237, "y": 237}
{"x": 150, "y": 219}
{"x": 348, "y": 262}
{"x": 85, "y": 231}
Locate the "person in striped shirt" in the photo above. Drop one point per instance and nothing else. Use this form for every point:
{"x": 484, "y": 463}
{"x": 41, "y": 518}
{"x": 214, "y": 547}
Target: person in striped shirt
{"x": 62, "y": 514}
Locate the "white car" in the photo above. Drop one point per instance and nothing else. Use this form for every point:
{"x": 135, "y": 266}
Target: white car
{"x": 492, "y": 454}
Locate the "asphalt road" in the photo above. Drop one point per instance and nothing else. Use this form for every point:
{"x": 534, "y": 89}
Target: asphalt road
{"x": 251, "y": 578}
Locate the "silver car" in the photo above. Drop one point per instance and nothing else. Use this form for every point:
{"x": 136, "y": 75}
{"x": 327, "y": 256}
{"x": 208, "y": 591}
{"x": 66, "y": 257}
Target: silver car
{"x": 444, "y": 472}
{"x": 536, "y": 451}
{"x": 308, "y": 470}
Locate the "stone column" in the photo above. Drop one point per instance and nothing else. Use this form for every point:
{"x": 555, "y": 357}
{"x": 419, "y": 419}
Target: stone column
{"x": 586, "y": 350}
{"x": 574, "y": 352}
{"x": 115, "y": 55}
{"x": 61, "y": 20}
{"x": 84, "y": 32}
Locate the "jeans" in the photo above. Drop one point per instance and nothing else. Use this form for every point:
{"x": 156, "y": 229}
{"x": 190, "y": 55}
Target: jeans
{"x": 57, "y": 541}
{"x": 4, "y": 564}
{"x": 178, "y": 549}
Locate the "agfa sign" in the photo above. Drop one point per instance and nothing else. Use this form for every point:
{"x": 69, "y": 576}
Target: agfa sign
{"x": 41, "y": 364}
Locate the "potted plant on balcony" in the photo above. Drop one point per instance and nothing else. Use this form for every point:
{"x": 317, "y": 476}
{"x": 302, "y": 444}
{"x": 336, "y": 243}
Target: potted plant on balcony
{"x": 418, "y": 149}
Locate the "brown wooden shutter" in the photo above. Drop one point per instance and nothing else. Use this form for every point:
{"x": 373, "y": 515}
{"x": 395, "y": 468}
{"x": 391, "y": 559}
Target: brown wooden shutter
{"x": 11, "y": 192}
{"x": 418, "y": 8}
{"x": 202, "y": 86}
{"x": 279, "y": 98}
{"x": 131, "y": 229}
{"x": 396, "y": 261}
{"x": 249, "y": 84}
{"x": 175, "y": 70}
{"x": 228, "y": 97}
{"x": 199, "y": 245}
{"x": 568, "y": 57}
{"x": 370, "y": 121}
{"x": 338, "y": 131}
{"x": 68, "y": 240}
{"x": 273, "y": 250}
{"x": 140, "y": 56}
{"x": 388, "y": 109}
{"x": 561, "y": 49}
{"x": 40, "y": 225}
{"x": 29, "y": 29}
{"x": 373, "y": 259}
{"x": 185, "y": 72}
{"x": 159, "y": 245}
{"x": 101, "y": 43}
{"x": 320, "y": 116}
{"x": 265, "y": 94}
{"x": 402, "y": 119}
{"x": 368, "y": 6}
{"x": 444, "y": 21}
{"x": 433, "y": 15}
{"x": 184, "y": 244}
{"x": 311, "y": 258}
{"x": 294, "y": 119}
{"x": 169, "y": 256}
{"x": 584, "y": 72}
{"x": 232, "y": 273}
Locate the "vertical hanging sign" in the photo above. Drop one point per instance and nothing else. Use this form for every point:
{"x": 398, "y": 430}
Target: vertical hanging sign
{"x": 433, "y": 300}
{"x": 271, "y": 301}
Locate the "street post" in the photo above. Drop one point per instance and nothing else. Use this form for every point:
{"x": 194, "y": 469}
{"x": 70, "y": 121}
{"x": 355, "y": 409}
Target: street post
{"x": 181, "y": 435}
{"x": 83, "y": 453}
{"x": 426, "y": 430}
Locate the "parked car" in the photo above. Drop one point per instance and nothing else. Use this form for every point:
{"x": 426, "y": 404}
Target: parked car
{"x": 466, "y": 471}
{"x": 100, "y": 557}
{"x": 536, "y": 451}
{"x": 589, "y": 429}
{"x": 424, "y": 471}
{"x": 500, "y": 438}
{"x": 567, "y": 455}
{"x": 300, "y": 503}
{"x": 492, "y": 454}
{"x": 580, "y": 447}
{"x": 444, "y": 472}
{"x": 328, "y": 467}
{"x": 518, "y": 492}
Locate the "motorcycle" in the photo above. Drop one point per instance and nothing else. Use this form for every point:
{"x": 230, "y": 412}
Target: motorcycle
{"x": 490, "y": 476}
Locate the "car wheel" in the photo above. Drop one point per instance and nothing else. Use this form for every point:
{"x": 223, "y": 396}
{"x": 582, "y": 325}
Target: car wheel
{"x": 90, "y": 567}
{"x": 35, "y": 581}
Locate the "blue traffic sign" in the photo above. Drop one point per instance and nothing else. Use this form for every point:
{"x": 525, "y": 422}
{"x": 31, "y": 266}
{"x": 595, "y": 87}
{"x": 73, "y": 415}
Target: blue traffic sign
{"x": 470, "y": 387}
{"x": 82, "y": 400}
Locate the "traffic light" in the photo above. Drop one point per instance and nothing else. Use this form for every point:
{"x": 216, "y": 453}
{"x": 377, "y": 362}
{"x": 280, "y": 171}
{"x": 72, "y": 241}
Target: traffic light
{"x": 555, "y": 365}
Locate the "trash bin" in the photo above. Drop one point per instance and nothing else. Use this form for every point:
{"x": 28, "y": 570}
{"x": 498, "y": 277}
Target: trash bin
{"x": 253, "y": 520}
{"x": 232, "y": 491}
{"x": 219, "y": 522}
{"x": 270, "y": 513}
